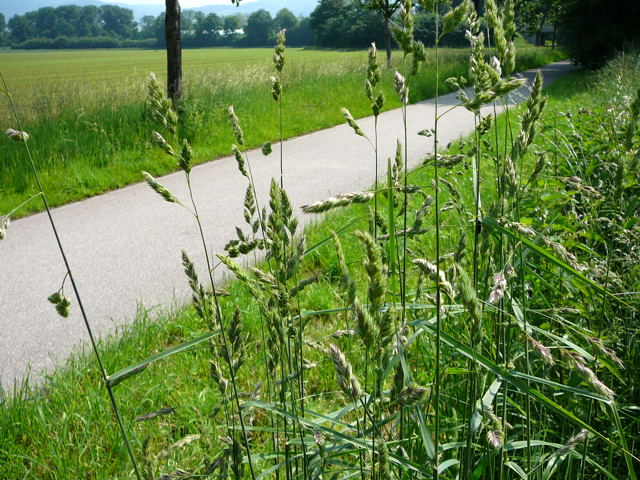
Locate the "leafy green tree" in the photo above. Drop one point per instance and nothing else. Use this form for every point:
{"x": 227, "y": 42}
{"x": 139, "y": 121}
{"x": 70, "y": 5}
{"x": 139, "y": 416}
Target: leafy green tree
{"x": 231, "y": 24}
{"x": 3, "y": 26}
{"x": 148, "y": 27}
{"x": 594, "y": 30}
{"x": 209, "y": 27}
{"x": 21, "y": 28}
{"x": 63, "y": 28}
{"x": 260, "y": 28}
{"x": 302, "y": 34}
{"x": 117, "y": 21}
{"x": 533, "y": 15}
{"x": 188, "y": 21}
{"x": 89, "y": 22}
{"x": 385, "y": 8}
{"x": 285, "y": 19}
{"x": 44, "y": 19}
{"x": 342, "y": 24}
{"x": 330, "y": 22}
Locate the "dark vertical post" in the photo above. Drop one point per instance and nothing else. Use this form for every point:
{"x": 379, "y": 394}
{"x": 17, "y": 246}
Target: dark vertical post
{"x": 174, "y": 49}
{"x": 387, "y": 39}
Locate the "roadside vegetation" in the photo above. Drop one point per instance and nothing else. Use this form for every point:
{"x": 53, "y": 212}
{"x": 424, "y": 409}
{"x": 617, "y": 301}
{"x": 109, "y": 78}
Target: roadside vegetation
{"x": 473, "y": 318}
{"x": 90, "y": 125}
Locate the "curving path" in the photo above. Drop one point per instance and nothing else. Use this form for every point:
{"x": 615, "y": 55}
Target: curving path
{"x": 124, "y": 246}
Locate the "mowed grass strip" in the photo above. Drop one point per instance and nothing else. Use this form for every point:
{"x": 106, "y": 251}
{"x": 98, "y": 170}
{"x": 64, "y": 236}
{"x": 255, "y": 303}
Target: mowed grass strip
{"x": 89, "y": 126}
{"x": 66, "y": 429}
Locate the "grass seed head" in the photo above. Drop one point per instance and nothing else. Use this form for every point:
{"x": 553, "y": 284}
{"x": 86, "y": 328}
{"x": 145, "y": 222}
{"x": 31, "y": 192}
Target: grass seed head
{"x": 485, "y": 124}
{"x": 403, "y": 33}
{"x": 278, "y": 56}
{"x": 352, "y": 123}
{"x": 235, "y": 124}
{"x": 431, "y": 271}
{"x": 543, "y": 351}
{"x": 17, "y": 135}
{"x": 401, "y": 87}
{"x": 338, "y": 201}
{"x": 159, "y": 188}
{"x": 159, "y": 140}
{"x": 453, "y": 18}
{"x": 571, "y": 444}
{"x": 186, "y": 156}
{"x": 4, "y": 224}
{"x": 410, "y": 395}
{"x": 499, "y": 288}
{"x": 347, "y": 381}
{"x": 373, "y": 69}
{"x": 373, "y": 267}
{"x": 366, "y": 328}
{"x": 61, "y": 302}
{"x": 495, "y": 438}
{"x": 276, "y": 88}
{"x": 237, "y": 154}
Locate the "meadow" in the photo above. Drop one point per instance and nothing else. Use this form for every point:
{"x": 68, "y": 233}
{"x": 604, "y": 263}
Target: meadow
{"x": 86, "y": 113}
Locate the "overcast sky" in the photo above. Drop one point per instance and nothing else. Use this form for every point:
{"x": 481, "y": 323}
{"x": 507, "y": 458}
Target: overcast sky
{"x": 183, "y": 3}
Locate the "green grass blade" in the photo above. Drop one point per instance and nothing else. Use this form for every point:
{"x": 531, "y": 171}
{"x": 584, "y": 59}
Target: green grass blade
{"x": 128, "y": 372}
{"x": 313, "y": 248}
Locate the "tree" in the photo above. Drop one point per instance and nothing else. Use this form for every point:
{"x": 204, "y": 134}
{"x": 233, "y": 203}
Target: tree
{"x": 89, "y": 22}
{"x": 117, "y": 21}
{"x": 153, "y": 27}
{"x": 231, "y": 24}
{"x": 208, "y": 28}
{"x": 330, "y": 21}
{"x": 3, "y": 27}
{"x": 285, "y": 19}
{"x": 533, "y": 15}
{"x": 147, "y": 26}
{"x": 188, "y": 22}
{"x": 341, "y": 24}
{"x": 20, "y": 28}
{"x": 44, "y": 19}
{"x": 594, "y": 30}
{"x": 302, "y": 34}
{"x": 174, "y": 49}
{"x": 386, "y": 8}
{"x": 260, "y": 29}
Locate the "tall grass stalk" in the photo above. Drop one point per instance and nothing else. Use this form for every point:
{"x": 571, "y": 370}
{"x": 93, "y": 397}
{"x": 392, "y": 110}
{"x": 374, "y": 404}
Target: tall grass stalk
{"x": 436, "y": 180}
{"x": 69, "y": 273}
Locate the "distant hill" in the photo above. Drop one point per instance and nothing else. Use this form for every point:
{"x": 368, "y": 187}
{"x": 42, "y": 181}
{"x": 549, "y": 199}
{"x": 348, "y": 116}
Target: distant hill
{"x": 9, "y": 8}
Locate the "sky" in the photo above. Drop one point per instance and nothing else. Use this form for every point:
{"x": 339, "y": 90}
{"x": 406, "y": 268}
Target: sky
{"x": 183, "y": 3}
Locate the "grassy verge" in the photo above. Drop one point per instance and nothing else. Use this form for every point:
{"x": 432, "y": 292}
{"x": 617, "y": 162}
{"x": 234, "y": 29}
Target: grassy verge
{"x": 65, "y": 428}
{"x": 89, "y": 124}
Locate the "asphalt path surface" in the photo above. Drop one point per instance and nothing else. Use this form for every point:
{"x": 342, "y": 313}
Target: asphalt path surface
{"x": 124, "y": 246}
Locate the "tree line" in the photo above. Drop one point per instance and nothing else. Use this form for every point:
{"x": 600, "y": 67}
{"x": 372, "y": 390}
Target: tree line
{"x": 110, "y": 26}
{"x": 333, "y": 24}
{"x": 591, "y": 29}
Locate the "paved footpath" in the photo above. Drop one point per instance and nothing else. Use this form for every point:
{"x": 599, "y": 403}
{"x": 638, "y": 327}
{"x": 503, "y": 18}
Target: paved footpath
{"x": 124, "y": 246}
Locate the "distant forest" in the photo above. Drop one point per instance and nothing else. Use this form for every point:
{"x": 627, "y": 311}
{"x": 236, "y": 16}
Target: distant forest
{"x": 333, "y": 24}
